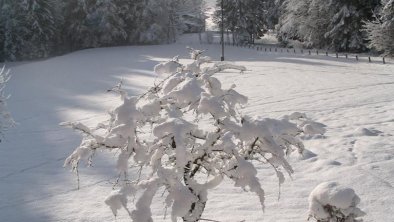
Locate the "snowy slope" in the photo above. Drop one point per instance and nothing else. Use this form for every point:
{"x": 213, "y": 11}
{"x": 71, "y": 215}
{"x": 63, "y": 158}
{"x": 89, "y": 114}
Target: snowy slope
{"x": 353, "y": 99}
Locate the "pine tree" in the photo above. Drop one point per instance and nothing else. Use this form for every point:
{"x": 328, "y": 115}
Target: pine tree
{"x": 14, "y": 29}
{"x": 156, "y": 22}
{"x": 42, "y": 23}
{"x": 381, "y": 29}
{"x": 345, "y": 31}
{"x": 6, "y": 120}
{"x": 293, "y": 17}
{"x": 190, "y": 14}
{"x": 243, "y": 17}
{"x": 131, "y": 13}
{"x": 106, "y": 20}
{"x": 78, "y": 28}
{"x": 2, "y": 33}
{"x": 162, "y": 20}
{"x": 315, "y": 26}
{"x": 335, "y": 24}
{"x": 272, "y": 12}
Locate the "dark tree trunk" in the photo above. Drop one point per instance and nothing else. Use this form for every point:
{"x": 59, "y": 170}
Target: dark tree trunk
{"x": 197, "y": 208}
{"x": 195, "y": 213}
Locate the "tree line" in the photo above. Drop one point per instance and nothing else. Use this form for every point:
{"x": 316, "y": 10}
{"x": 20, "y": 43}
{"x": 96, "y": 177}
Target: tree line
{"x": 341, "y": 25}
{"x": 41, "y": 28}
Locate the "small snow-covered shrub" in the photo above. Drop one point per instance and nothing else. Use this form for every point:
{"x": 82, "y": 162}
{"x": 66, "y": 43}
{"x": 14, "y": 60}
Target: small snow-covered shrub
{"x": 331, "y": 202}
{"x": 188, "y": 133}
{"x": 6, "y": 120}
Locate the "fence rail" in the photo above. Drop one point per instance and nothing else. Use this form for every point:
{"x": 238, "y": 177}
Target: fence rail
{"x": 317, "y": 52}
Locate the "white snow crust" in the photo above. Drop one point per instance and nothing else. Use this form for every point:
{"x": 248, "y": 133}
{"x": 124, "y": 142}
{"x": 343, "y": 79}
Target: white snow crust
{"x": 353, "y": 100}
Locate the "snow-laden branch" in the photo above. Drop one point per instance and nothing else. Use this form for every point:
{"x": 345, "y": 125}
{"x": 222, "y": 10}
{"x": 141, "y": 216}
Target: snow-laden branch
{"x": 188, "y": 132}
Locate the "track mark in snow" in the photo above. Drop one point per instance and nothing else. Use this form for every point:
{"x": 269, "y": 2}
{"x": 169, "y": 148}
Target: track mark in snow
{"x": 383, "y": 181}
{"x": 334, "y": 91}
{"x": 18, "y": 203}
{"x": 30, "y": 168}
{"x": 354, "y": 154}
{"x": 40, "y": 114}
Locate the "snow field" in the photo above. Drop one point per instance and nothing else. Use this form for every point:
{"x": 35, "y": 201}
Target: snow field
{"x": 353, "y": 99}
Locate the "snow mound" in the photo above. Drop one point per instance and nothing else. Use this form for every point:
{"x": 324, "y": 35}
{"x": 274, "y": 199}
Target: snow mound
{"x": 307, "y": 125}
{"x": 367, "y": 132}
{"x": 169, "y": 67}
{"x": 332, "y": 202}
{"x": 306, "y": 154}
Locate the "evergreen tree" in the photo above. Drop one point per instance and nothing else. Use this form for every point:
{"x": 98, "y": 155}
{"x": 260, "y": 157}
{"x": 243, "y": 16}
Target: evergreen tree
{"x": 163, "y": 20}
{"x": 6, "y": 120}
{"x": 272, "y": 12}
{"x": 13, "y": 28}
{"x": 315, "y": 27}
{"x": 294, "y": 13}
{"x": 2, "y": 33}
{"x": 39, "y": 28}
{"x": 108, "y": 23}
{"x": 78, "y": 27}
{"x": 335, "y": 24}
{"x": 243, "y": 17}
{"x": 190, "y": 13}
{"x": 131, "y": 12}
{"x": 42, "y": 24}
{"x": 345, "y": 31}
{"x": 381, "y": 29}
{"x": 156, "y": 22}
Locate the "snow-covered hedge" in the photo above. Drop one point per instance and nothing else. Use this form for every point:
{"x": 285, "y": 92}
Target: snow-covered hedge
{"x": 5, "y": 117}
{"x": 188, "y": 133}
{"x": 331, "y": 202}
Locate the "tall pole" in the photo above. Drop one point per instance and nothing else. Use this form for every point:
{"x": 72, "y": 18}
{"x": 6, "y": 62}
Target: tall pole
{"x": 222, "y": 34}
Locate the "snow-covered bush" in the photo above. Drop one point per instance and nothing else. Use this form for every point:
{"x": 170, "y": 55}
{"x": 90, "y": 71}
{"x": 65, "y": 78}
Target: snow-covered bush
{"x": 5, "y": 118}
{"x": 331, "y": 202}
{"x": 188, "y": 133}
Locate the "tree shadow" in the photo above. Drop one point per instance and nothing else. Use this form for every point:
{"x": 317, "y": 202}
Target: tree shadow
{"x": 33, "y": 184}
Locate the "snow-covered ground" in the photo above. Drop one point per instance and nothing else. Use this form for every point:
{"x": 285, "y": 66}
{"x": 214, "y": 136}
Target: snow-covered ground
{"x": 354, "y": 99}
